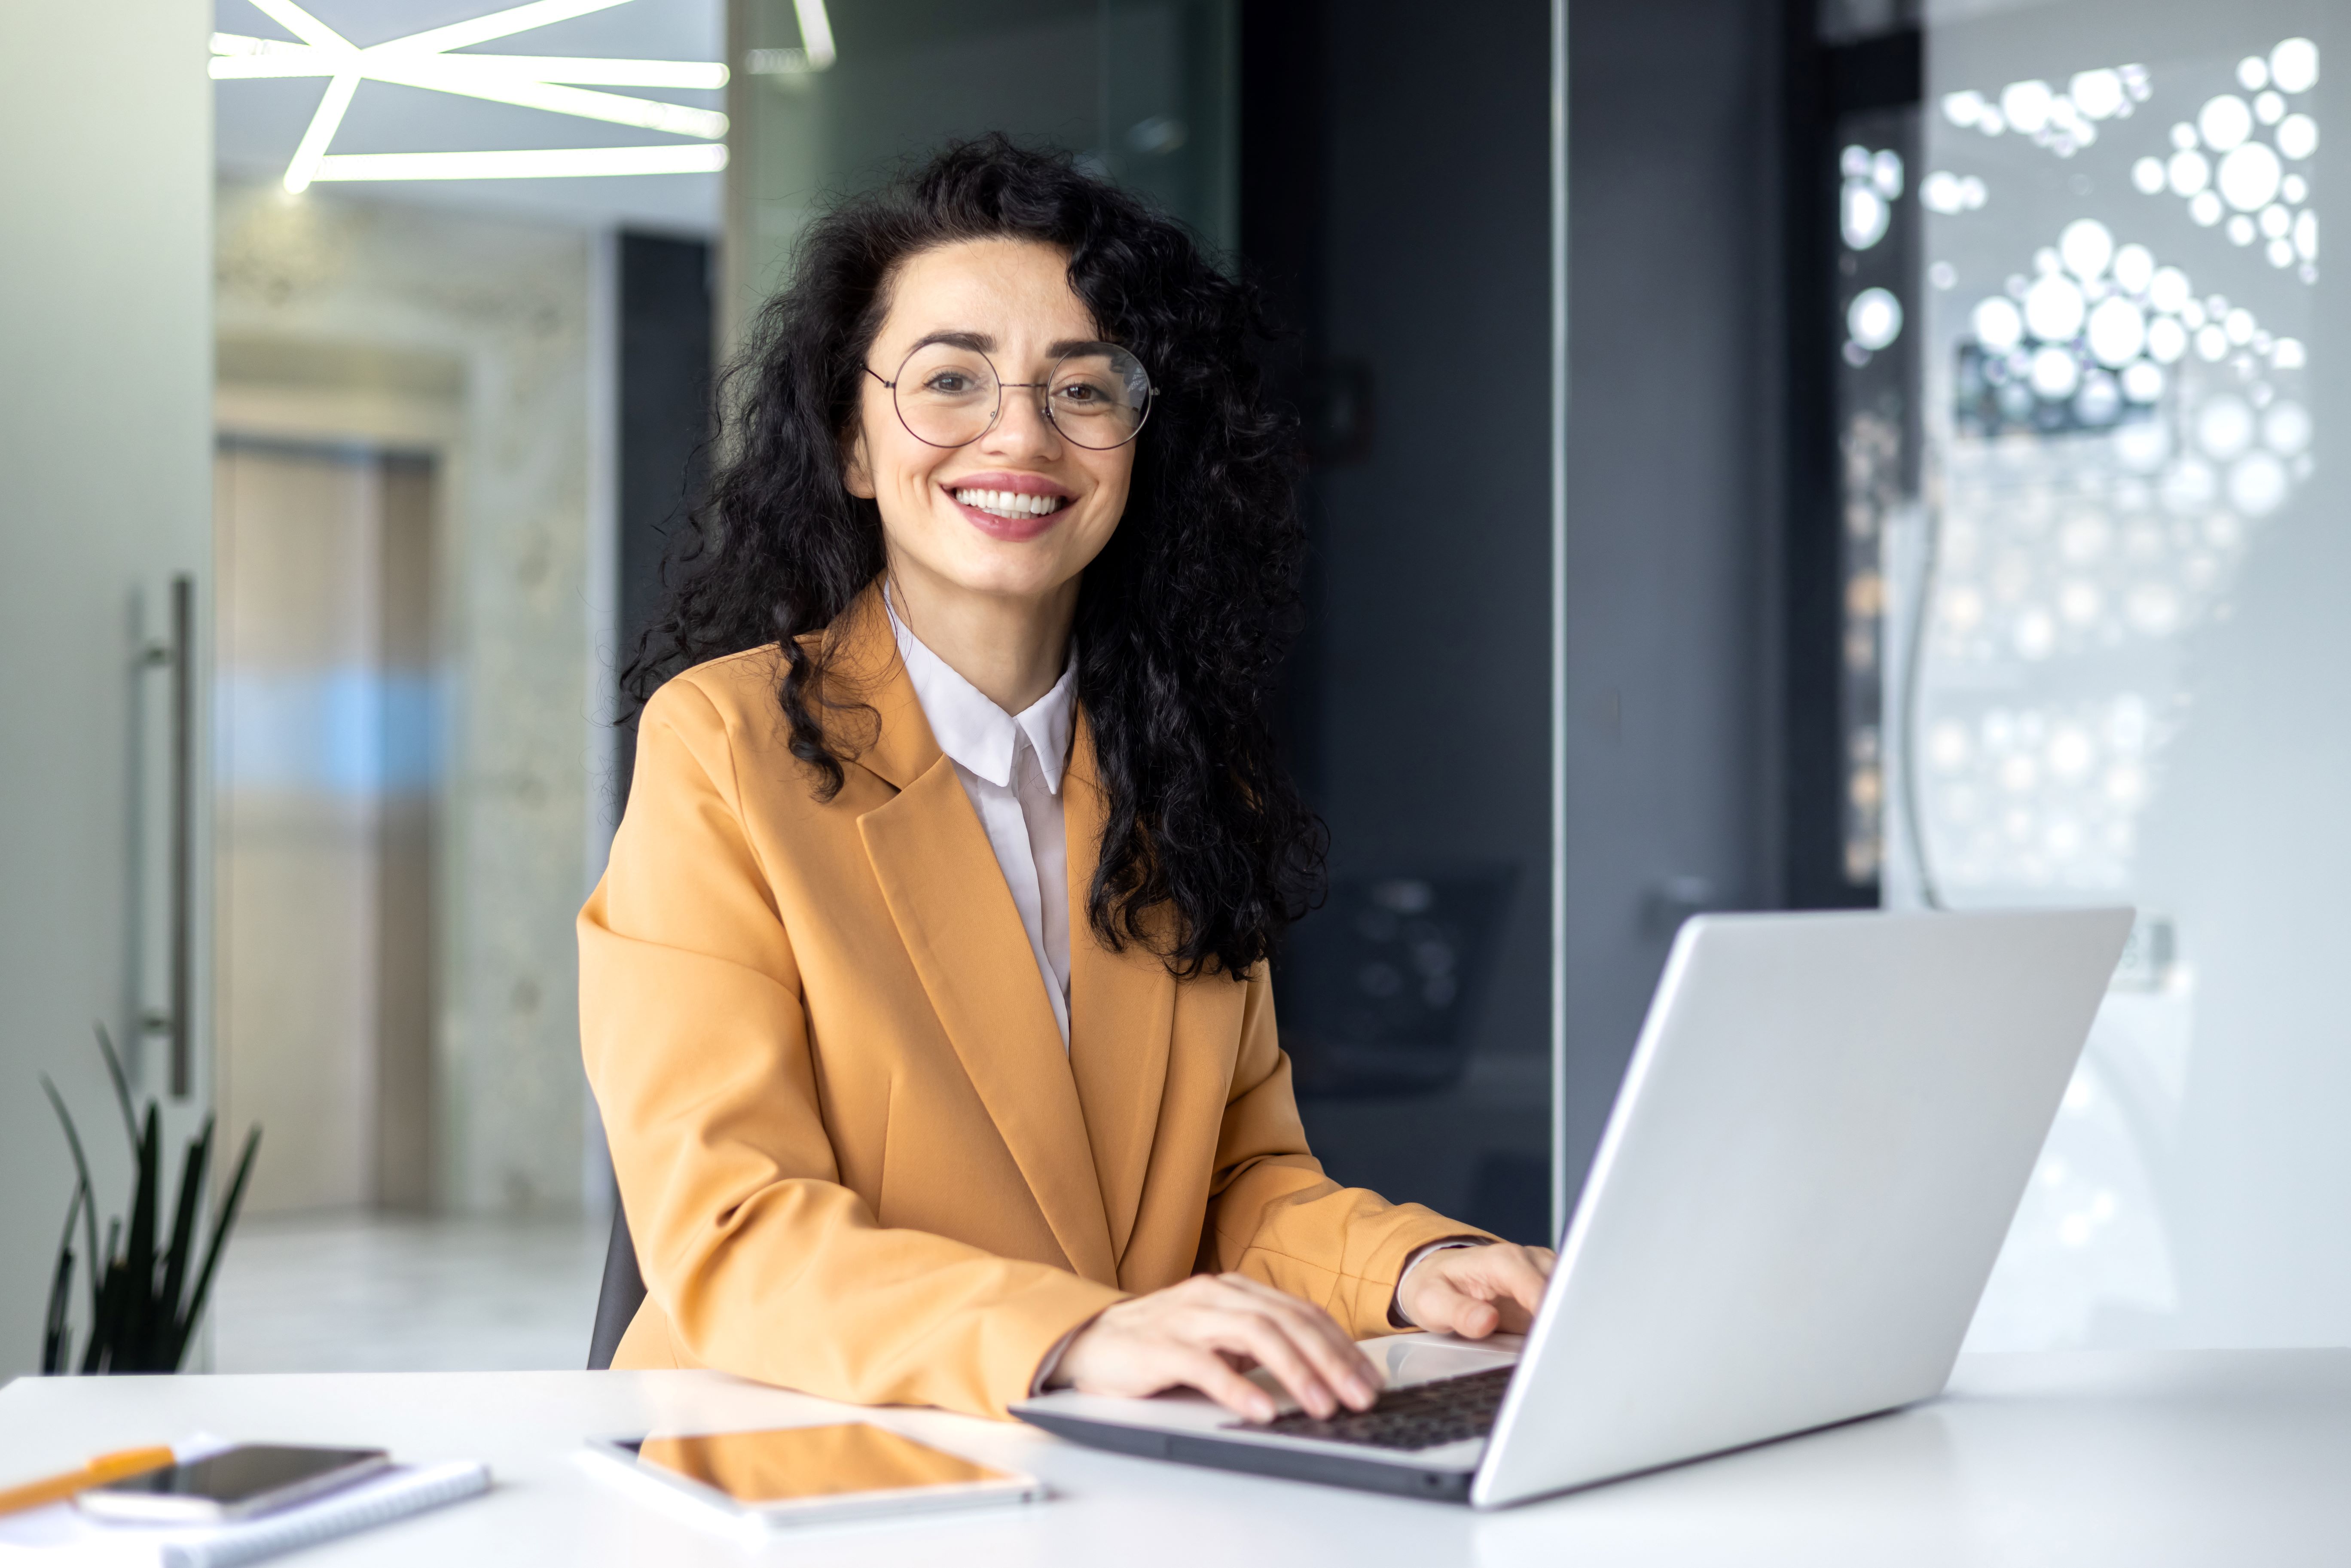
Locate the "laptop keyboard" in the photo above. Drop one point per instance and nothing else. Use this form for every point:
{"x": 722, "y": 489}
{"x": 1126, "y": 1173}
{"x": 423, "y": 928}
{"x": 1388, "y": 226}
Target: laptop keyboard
{"x": 1423, "y": 1416}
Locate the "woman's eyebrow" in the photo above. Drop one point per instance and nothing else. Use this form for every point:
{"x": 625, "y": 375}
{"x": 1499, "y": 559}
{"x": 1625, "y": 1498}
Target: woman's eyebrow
{"x": 982, "y": 342}
{"x": 979, "y": 343}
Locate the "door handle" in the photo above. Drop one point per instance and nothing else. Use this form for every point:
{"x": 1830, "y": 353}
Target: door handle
{"x": 184, "y": 833}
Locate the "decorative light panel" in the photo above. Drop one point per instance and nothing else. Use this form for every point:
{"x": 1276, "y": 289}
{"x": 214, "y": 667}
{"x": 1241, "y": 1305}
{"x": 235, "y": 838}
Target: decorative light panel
{"x": 2107, "y": 432}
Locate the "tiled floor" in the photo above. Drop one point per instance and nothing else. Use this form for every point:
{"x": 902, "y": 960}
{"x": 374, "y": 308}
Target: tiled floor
{"x": 370, "y": 1292}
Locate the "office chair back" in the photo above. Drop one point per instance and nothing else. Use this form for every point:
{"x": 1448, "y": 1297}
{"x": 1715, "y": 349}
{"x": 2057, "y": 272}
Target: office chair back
{"x": 1379, "y": 992}
{"x": 619, "y": 1296}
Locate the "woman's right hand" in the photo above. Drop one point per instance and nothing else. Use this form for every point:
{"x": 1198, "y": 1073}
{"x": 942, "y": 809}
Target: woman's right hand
{"x": 1204, "y": 1333}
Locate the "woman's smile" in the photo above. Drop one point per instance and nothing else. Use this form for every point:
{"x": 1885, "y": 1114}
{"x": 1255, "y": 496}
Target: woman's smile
{"x": 1010, "y": 507}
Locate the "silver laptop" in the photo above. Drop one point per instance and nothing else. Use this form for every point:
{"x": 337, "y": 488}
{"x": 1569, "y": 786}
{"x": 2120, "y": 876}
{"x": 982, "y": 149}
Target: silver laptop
{"x": 1825, "y": 1129}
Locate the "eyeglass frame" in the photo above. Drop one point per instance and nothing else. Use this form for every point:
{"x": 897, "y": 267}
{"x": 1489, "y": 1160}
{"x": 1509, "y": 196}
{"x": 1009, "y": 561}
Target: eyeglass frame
{"x": 1044, "y": 406}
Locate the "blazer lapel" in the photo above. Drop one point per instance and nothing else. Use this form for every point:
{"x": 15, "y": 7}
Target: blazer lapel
{"x": 947, "y": 897}
{"x": 1122, "y": 1015}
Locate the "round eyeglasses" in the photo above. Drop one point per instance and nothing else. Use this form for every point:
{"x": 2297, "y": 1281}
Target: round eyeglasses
{"x": 947, "y": 393}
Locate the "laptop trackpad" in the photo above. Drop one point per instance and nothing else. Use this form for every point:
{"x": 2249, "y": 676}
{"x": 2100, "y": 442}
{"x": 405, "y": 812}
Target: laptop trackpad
{"x": 1409, "y": 1358}
{"x": 1424, "y": 1357}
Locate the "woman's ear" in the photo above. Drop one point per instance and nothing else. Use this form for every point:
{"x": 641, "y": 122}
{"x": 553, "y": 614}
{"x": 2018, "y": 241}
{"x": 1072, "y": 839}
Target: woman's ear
{"x": 856, "y": 471}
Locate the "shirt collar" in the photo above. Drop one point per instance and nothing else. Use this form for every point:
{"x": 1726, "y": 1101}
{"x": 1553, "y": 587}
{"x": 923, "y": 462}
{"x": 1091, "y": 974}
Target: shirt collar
{"x": 975, "y": 733}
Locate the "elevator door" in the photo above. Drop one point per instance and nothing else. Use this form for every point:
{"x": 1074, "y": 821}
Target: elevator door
{"x": 324, "y": 789}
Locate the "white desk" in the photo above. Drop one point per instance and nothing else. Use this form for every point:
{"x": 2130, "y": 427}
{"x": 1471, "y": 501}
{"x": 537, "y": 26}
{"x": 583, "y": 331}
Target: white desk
{"x": 2145, "y": 1459}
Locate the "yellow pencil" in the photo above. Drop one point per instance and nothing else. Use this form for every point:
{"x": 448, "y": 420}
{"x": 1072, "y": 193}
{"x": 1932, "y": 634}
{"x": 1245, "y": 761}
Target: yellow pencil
{"x": 97, "y": 1472}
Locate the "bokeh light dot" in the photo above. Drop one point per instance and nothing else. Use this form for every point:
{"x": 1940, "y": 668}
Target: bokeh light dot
{"x": 1886, "y": 172}
{"x": 2086, "y": 248}
{"x": 2055, "y": 372}
{"x": 2098, "y": 94}
{"x": 2285, "y": 427}
{"x": 2224, "y": 122}
{"x": 2224, "y": 428}
{"x": 1863, "y": 215}
{"x": 2249, "y": 176}
{"x": 2118, "y": 331}
{"x": 2025, "y": 106}
{"x": 2133, "y": 267}
{"x": 1999, "y": 325}
{"x": 2293, "y": 65}
{"x": 1874, "y": 320}
{"x": 2258, "y": 485}
{"x": 2053, "y": 309}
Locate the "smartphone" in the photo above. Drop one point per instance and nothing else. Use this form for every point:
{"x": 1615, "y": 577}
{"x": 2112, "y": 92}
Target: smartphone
{"x": 235, "y": 1483}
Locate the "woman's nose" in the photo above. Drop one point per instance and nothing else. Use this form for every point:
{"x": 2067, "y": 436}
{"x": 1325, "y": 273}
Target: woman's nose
{"x": 1021, "y": 428}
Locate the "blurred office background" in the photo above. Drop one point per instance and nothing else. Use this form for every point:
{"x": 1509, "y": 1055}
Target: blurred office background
{"x": 1941, "y": 521}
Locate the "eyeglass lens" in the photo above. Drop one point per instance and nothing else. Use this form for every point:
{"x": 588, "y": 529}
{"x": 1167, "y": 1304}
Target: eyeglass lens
{"x": 1096, "y": 396}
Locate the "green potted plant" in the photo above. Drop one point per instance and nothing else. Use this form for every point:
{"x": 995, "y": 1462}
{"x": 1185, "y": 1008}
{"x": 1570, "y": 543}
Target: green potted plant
{"x": 142, "y": 1313}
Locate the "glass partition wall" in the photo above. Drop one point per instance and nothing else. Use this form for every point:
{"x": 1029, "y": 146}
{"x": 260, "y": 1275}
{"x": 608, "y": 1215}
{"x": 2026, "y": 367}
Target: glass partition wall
{"x": 2092, "y": 578}
{"x": 827, "y": 100}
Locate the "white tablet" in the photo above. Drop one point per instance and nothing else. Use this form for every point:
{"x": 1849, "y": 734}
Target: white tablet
{"x": 808, "y": 1475}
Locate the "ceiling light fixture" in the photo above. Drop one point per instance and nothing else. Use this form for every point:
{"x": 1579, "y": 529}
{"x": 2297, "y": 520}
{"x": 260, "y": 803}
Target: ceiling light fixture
{"x": 530, "y": 81}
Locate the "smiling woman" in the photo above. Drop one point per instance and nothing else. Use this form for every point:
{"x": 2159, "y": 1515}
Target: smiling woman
{"x": 925, "y": 997}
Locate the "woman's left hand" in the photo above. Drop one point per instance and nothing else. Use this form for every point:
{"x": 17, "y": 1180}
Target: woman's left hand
{"x": 1474, "y": 1291}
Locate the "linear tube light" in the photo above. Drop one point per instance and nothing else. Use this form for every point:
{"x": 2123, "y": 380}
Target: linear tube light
{"x": 688, "y": 76}
{"x": 497, "y": 24}
{"x": 540, "y": 163}
{"x": 238, "y": 59}
{"x": 323, "y": 126}
{"x": 616, "y": 108}
{"x": 816, "y": 33}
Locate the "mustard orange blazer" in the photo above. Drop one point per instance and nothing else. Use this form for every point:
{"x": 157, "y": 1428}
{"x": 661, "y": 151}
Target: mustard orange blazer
{"x": 855, "y": 1158}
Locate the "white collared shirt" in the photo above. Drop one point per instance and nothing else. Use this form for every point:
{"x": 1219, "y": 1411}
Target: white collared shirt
{"x": 1011, "y": 765}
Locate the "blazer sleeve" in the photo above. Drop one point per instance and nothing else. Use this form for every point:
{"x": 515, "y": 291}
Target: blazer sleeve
{"x": 696, "y": 1047}
{"x": 1274, "y": 1216}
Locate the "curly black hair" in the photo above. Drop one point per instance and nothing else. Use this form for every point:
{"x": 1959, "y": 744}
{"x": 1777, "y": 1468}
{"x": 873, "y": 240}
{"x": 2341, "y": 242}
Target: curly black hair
{"x": 1207, "y": 851}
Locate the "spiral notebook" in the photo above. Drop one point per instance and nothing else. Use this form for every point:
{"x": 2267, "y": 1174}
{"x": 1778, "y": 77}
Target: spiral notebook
{"x": 60, "y": 1534}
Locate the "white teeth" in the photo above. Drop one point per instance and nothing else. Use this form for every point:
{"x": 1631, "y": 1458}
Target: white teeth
{"x": 1009, "y": 503}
